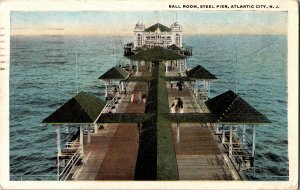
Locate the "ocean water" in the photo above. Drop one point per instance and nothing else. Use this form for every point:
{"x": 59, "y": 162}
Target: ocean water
{"x": 43, "y": 76}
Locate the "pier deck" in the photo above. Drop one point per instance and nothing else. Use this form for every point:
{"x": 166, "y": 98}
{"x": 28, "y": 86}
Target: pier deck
{"x": 113, "y": 150}
{"x": 197, "y": 152}
{"x": 112, "y": 153}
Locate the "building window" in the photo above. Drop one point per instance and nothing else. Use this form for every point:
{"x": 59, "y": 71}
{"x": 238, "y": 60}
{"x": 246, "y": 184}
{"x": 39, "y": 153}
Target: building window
{"x": 177, "y": 39}
{"x": 139, "y": 40}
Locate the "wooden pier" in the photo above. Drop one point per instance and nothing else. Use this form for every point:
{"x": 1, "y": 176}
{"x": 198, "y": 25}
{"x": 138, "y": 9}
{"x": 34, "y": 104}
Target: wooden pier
{"x": 112, "y": 152}
{"x": 139, "y": 133}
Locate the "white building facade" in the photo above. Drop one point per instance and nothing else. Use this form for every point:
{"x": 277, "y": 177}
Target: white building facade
{"x": 157, "y": 35}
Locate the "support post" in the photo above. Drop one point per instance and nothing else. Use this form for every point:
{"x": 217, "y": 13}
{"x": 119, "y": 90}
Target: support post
{"x": 58, "y": 140}
{"x": 67, "y": 133}
{"x": 106, "y": 89}
{"x": 178, "y": 132}
{"x": 58, "y": 150}
{"x": 253, "y": 141}
{"x": 166, "y": 66}
{"x": 208, "y": 84}
{"x": 131, "y": 64}
{"x": 81, "y": 140}
{"x": 223, "y": 134}
{"x": 137, "y": 66}
{"x": 95, "y": 128}
{"x": 218, "y": 129}
{"x": 122, "y": 86}
{"x": 230, "y": 142}
{"x": 89, "y": 135}
{"x": 244, "y": 133}
{"x": 180, "y": 66}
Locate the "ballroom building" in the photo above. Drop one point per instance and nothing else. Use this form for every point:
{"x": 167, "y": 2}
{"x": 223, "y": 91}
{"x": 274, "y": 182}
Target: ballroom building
{"x": 157, "y": 35}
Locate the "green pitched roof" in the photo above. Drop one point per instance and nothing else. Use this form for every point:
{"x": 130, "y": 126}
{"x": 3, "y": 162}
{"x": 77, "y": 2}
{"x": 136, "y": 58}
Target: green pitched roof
{"x": 156, "y": 54}
{"x": 157, "y": 26}
{"x": 82, "y": 108}
{"x": 200, "y": 72}
{"x": 115, "y": 72}
{"x": 231, "y": 108}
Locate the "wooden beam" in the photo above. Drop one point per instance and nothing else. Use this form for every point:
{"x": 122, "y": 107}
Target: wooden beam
{"x": 124, "y": 117}
{"x": 191, "y": 117}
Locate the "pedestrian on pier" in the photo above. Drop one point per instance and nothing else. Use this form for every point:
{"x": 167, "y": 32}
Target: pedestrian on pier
{"x": 180, "y": 105}
{"x": 173, "y": 108}
{"x": 144, "y": 98}
{"x": 132, "y": 97}
{"x": 140, "y": 98}
{"x": 179, "y": 85}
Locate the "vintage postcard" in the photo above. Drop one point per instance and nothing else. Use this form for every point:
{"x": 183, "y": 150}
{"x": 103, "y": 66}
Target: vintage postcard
{"x": 149, "y": 95}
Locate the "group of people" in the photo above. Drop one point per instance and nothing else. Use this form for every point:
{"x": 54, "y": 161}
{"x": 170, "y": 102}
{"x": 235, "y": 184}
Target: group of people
{"x": 179, "y": 84}
{"x": 177, "y": 106}
{"x": 138, "y": 98}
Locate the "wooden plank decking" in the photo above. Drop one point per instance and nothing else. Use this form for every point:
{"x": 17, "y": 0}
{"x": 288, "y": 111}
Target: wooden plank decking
{"x": 198, "y": 156}
{"x": 197, "y": 152}
{"x": 112, "y": 153}
{"x": 114, "y": 149}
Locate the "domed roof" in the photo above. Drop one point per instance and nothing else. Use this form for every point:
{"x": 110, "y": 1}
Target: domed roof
{"x": 139, "y": 25}
{"x": 177, "y": 26}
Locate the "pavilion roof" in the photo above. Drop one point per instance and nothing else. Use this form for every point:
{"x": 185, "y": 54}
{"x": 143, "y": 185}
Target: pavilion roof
{"x": 82, "y": 108}
{"x": 116, "y": 73}
{"x": 200, "y": 72}
{"x": 156, "y": 54}
{"x": 231, "y": 108}
{"x": 156, "y": 27}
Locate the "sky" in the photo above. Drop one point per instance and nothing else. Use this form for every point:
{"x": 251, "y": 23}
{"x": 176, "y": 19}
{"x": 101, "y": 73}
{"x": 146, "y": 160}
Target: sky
{"x": 122, "y": 23}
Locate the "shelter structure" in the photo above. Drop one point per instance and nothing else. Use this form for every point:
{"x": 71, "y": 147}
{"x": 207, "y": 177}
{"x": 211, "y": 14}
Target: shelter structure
{"x": 235, "y": 115}
{"x": 81, "y": 112}
{"x": 115, "y": 74}
{"x": 169, "y": 58}
{"x": 200, "y": 73}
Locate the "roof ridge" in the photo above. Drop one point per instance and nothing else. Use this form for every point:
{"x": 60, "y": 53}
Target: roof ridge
{"x": 86, "y": 110}
{"x": 229, "y": 107}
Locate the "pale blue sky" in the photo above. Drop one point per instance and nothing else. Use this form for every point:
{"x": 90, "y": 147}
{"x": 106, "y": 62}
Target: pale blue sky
{"x": 93, "y": 23}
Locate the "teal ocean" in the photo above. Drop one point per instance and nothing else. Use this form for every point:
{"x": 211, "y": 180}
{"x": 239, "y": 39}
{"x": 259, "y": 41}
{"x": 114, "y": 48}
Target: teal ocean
{"x": 43, "y": 77}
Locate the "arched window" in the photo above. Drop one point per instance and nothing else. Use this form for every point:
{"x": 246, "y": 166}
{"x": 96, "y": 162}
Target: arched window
{"x": 177, "y": 39}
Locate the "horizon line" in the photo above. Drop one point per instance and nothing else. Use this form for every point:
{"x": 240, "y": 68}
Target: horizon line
{"x": 127, "y": 35}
